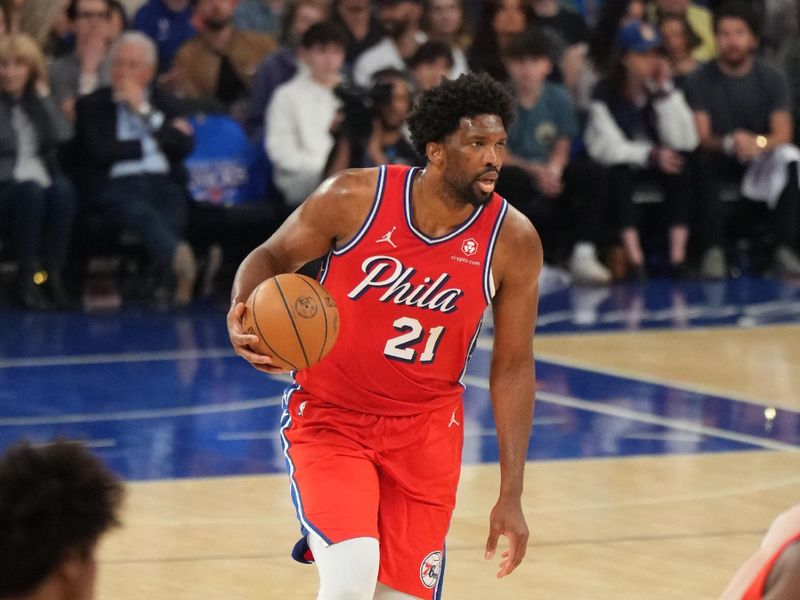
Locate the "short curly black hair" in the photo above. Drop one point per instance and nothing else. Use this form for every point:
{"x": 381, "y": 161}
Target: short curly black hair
{"x": 439, "y": 110}
{"x": 54, "y": 499}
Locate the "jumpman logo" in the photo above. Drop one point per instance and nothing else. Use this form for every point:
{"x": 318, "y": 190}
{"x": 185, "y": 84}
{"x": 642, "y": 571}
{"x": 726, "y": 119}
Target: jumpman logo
{"x": 453, "y": 420}
{"x": 387, "y": 238}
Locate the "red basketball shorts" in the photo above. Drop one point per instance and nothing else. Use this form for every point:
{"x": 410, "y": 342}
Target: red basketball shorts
{"x": 391, "y": 478}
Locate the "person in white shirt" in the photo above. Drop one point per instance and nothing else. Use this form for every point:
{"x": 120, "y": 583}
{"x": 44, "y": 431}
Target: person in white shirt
{"x": 301, "y": 115}
{"x": 401, "y": 21}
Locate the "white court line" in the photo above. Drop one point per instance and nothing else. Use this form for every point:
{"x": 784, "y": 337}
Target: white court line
{"x": 642, "y": 417}
{"x": 99, "y": 443}
{"x": 114, "y": 358}
{"x": 156, "y": 413}
{"x": 485, "y": 343}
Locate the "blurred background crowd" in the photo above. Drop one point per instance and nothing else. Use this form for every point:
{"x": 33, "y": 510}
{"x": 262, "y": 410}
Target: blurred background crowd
{"x": 145, "y": 147}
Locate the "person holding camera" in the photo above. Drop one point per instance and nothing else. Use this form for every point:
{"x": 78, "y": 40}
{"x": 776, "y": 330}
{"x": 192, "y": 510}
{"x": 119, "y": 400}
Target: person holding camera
{"x": 301, "y": 115}
{"x": 372, "y": 131}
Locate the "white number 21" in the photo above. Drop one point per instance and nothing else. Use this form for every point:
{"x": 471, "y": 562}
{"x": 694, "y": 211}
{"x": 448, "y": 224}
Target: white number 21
{"x": 399, "y": 347}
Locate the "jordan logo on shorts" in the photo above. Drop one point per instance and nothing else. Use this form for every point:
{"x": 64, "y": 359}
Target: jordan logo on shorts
{"x": 301, "y": 408}
{"x": 453, "y": 420}
{"x": 387, "y": 238}
{"x": 431, "y": 569}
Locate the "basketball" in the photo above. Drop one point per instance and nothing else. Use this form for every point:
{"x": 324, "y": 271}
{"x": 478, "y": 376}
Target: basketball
{"x": 295, "y": 319}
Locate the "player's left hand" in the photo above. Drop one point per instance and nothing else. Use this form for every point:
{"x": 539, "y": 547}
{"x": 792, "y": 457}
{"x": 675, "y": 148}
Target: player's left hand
{"x": 507, "y": 519}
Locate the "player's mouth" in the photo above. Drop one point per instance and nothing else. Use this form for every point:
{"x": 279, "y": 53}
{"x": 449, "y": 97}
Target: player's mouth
{"x": 487, "y": 182}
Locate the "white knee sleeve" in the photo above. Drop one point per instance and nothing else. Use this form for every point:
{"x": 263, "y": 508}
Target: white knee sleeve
{"x": 347, "y": 570}
{"x": 386, "y": 593}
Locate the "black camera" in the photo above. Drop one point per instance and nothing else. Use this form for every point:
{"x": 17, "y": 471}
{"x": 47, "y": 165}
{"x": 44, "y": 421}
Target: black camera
{"x": 360, "y": 106}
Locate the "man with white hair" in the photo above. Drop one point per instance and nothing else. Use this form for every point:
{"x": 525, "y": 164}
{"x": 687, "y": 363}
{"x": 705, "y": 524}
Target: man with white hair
{"x": 135, "y": 137}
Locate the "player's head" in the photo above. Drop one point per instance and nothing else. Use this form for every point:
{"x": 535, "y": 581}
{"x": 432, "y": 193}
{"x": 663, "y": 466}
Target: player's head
{"x": 56, "y": 502}
{"x": 460, "y": 127}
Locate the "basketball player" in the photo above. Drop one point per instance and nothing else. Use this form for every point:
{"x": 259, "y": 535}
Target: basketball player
{"x": 56, "y": 502}
{"x": 372, "y": 435}
{"x": 773, "y": 572}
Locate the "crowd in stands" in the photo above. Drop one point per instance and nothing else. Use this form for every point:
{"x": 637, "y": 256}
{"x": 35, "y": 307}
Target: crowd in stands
{"x": 649, "y": 138}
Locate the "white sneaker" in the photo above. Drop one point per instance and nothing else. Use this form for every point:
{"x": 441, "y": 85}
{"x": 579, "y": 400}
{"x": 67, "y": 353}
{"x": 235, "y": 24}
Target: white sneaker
{"x": 585, "y": 267}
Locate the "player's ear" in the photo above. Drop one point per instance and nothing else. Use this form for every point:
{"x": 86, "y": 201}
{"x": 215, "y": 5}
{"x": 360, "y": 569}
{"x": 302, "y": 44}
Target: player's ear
{"x": 435, "y": 152}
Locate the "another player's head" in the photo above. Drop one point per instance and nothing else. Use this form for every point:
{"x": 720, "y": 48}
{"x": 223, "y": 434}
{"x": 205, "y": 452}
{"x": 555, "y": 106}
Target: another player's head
{"x": 56, "y": 502}
{"x": 460, "y": 127}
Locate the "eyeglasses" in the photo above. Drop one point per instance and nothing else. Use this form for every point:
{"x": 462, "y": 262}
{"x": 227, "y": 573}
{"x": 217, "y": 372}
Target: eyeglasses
{"x": 94, "y": 15}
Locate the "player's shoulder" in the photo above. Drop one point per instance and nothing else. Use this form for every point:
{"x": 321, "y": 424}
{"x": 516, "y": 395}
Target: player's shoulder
{"x": 344, "y": 200}
{"x": 351, "y": 185}
{"x": 518, "y": 244}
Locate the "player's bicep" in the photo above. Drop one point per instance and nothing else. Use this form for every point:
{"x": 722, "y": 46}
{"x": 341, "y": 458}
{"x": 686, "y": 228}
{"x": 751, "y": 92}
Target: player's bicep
{"x": 516, "y": 301}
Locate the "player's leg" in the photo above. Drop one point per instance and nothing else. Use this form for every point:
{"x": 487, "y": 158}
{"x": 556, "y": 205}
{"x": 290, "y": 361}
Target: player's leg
{"x": 419, "y": 475}
{"x": 335, "y": 489}
{"x": 348, "y": 570}
{"x": 383, "y": 592}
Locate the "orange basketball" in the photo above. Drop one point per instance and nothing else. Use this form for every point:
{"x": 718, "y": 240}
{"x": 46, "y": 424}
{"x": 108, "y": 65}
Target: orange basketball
{"x": 295, "y": 318}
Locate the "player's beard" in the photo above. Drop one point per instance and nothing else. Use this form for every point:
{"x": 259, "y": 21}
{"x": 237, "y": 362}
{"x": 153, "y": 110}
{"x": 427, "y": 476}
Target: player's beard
{"x": 468, "y": 190}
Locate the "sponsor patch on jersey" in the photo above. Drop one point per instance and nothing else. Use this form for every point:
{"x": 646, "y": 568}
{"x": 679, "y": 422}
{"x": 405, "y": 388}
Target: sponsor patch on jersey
{"x": 469, "y": 246}
{"x": 431, "y": 569}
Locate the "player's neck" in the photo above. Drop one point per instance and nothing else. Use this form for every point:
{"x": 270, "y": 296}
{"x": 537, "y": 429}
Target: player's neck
{"x": 435, "y": 210}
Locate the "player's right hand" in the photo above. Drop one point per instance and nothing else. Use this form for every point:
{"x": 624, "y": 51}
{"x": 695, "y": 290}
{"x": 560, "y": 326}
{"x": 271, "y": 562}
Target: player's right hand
{"x": 241, "y": 343}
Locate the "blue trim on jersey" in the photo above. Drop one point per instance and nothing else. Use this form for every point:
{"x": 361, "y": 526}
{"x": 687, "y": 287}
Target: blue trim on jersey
{"x": 472, "y": 345}
{"x": 437, "y": 591}
{"x": 407, "y": 210}
{"x": 286, "y": 421}
{"x": 376, "y": 202}
{"x": 487, "y": 267}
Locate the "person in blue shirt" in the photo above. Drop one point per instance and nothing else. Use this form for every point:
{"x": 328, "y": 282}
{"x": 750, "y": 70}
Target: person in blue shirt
{"x": 169, "y": 24}
{"x": 562, "y": 195}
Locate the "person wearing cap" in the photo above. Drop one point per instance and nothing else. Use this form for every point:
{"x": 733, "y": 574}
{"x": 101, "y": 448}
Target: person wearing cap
{"x": 638, "y": 126}
{"x": 401, "y": 21}
{"x": 743, "y": 112}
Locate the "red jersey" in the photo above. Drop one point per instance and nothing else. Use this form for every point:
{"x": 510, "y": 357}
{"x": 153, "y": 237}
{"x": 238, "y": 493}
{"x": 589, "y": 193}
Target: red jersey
{"x": 756, "y": 589}
{"x": 410, "y": 306}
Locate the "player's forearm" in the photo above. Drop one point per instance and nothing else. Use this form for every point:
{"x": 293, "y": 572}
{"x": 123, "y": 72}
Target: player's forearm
{"x": 513, "y": 391}
{"x": 255, "y": 268}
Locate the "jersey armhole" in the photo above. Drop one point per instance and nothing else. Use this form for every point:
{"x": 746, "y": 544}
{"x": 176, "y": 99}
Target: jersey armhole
{"x": 376, "y": 201}
{"x": 489, "y": 288}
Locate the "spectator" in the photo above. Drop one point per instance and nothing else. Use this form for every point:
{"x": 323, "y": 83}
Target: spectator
{"x": 87, "y": 67}
{"x": 40, "y": 200}
{"x": 570, "y": 36}
{"x": 221, "y": 60}
{"x": 377, "y": 137}
{"x": 302, "y": 112}
{"x": 698, "y": 17}
{"x": 3, "y": 20}
{"x": 56, "y": 502}
{"x": 679, "y": 43}
{"x": 280, "y": 66}
{"x": 613, "y": 15}
{"x": 638, "y": 126}
{"x": 169, "y": 24}
{"x": 443, "y": 21}
{"x": 502, "y": 20}
{"x": 400, "y": 20}
{"x": 135, "y": 137}
{"x": 743, "y": 113}
{"x": 12, "y": 10}
{"x": 46, "y": 21}
{"x": 263, "y": 16}
{"x": 792, "y": 70}
{"x": 361, "y": 26}
{"x": 558, "y": 194}
{"x": 432, "y": 62}
{"x": 118, "y": 23}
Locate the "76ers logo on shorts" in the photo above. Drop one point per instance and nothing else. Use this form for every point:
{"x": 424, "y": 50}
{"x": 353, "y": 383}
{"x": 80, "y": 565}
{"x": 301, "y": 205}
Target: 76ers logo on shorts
{"x": 431, "y": 569}
{"x": 469, "y": 246}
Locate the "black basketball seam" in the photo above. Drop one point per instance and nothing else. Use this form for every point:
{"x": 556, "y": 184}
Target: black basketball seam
{"x": 325, "y": 316}
{"x": 291, "y": 320}
{"x": 261, "y": 335}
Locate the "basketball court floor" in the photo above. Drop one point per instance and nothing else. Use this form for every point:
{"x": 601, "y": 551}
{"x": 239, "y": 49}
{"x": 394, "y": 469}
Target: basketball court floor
{"x": 665, "y": 440}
